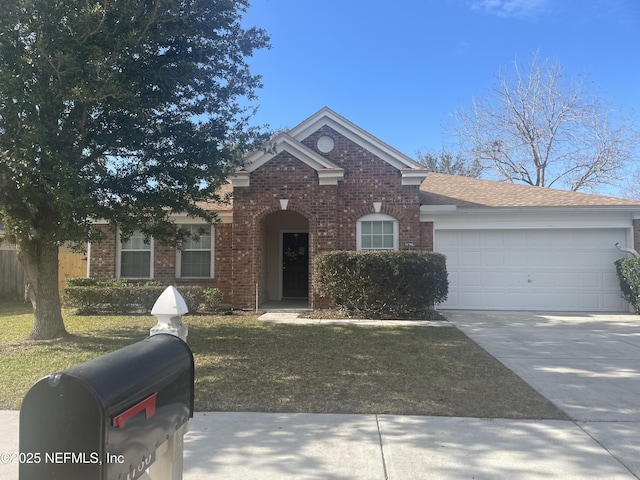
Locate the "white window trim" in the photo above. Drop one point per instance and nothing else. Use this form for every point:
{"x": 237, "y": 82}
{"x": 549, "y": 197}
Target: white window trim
{"x": 377, "y": 217}
{"x": 119, "y": 258}
{"x": 213, "y": 253}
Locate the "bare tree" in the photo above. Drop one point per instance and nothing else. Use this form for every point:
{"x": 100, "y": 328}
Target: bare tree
{"x": 535, "y": 127}
{"x": 446, "y": 162}
{"x": 631, "y": 187}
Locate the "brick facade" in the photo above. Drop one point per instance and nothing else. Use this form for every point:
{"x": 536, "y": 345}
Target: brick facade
{"x": 102, "y": 255}
{"x": 332, "y": 211}
{"x": 104, "y": 258}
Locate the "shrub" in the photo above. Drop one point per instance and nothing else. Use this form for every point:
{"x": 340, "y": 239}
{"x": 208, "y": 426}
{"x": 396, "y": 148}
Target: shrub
{"x": 629, "y": 275}
{"x": 382, "y": 282}
{"x": 193, "y": 297}
{"x": 123, "y": 296}
{"x": 81, "y": 282}
{"x": 212, "y": 299}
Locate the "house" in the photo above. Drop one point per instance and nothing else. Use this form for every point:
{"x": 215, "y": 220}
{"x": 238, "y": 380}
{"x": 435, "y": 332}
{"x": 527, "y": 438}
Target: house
{"x": 329, "y": 185}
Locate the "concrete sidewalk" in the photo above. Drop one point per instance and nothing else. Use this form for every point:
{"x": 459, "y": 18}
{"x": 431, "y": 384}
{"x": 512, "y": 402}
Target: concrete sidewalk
{"x": 264, "y": 446}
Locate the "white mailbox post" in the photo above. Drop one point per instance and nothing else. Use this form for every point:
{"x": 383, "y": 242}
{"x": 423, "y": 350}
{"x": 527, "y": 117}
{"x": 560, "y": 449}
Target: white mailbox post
{"x": 169, "y": 309}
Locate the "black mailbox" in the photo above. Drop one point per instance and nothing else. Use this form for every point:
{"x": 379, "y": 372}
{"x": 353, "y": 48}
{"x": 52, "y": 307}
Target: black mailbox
{"x": 106, "y": 418}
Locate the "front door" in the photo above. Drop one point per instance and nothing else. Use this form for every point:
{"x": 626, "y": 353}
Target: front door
{"x": 295, "y": 265}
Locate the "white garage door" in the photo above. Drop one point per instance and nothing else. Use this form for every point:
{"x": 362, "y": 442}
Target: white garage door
{"x": 562, "y": 270}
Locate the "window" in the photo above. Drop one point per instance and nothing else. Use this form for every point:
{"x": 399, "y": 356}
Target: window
{"x": 377, "y": 232}
{"x": 135, "y": 257}
{"x": 195, "y": 257}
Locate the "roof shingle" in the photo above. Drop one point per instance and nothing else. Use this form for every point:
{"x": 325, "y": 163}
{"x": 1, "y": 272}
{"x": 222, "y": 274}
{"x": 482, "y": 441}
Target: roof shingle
{"x": 466, "y": 192}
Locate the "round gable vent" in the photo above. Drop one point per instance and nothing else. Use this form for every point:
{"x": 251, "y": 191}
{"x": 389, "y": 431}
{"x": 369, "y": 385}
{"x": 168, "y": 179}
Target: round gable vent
{"x": 325, "y": 144}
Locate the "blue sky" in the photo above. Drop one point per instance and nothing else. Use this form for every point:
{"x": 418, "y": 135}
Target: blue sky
{"x": 399, "y": 68}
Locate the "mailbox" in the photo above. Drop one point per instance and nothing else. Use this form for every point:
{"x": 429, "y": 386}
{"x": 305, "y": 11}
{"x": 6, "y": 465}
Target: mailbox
{"x": 108, "y": 418}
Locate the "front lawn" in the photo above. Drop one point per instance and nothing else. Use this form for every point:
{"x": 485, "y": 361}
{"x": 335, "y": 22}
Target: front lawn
{"x": 243, "y": 364}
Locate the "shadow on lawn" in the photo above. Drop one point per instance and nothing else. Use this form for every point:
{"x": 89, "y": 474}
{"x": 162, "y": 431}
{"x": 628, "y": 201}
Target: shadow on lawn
{"x": 105, "y": 341}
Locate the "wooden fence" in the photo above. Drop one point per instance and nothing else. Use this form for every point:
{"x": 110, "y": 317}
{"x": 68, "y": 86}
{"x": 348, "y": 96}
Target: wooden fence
{"x": 70, "y": 265}
{"x": 13, "y": 278}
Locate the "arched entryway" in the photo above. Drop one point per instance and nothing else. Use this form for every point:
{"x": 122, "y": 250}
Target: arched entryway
{"x": 285, "y": 257}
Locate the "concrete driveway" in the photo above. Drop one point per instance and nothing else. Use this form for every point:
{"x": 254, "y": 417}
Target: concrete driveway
{"x": 587, "y": 364}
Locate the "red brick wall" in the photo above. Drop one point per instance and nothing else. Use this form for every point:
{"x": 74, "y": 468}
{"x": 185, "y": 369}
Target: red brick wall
{"x": 223, "y": 253}
{"x": 332, "y": 210}
{"x": 104, "y": 260}
{"x": 164, "y": 263}
{"x": 426, "y": 236}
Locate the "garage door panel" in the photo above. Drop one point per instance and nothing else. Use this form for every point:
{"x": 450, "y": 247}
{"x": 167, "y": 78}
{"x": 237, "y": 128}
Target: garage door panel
{"x": 493, "y": 279}
{"x": 516, "y": 258}
{"x": 589, "y": 302}
{"x": 542, "y": 280}
{"x": 566, "y": 279}
{"x": 516, "y": 240}
{"x": 493, "y": 258}
{"x": 533, "y": 269}
{"x": 563, "y": 301}
{"x": 611, "y": 301}
{"x": 474, "y": 239}
{"x": 469, "y": 278}
{"x": 492, "y": 239}
{"x": 589, "y": 280}
{"x": 609, "y": 259}
{"x": 609, "y": 278}
{"x": 470, "y": 258}
{"x": 515, "y": 278}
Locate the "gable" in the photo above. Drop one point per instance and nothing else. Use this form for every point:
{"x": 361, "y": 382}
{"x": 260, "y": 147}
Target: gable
{"x": 328, "y": 172}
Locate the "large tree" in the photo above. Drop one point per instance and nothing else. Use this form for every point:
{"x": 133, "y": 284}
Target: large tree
{"x": 537, "y": 127}
{"x": 125, "y": 110}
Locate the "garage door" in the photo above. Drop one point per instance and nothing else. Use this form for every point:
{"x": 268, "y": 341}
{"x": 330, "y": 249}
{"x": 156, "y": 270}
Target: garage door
{"x": 562, "y": 270}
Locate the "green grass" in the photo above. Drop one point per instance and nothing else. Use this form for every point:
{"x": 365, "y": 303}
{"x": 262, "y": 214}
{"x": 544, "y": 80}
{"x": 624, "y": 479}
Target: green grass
{"x": 243, "y": 364}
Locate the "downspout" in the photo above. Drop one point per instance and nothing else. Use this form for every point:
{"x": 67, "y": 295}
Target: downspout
{"x": 628, "y": 250}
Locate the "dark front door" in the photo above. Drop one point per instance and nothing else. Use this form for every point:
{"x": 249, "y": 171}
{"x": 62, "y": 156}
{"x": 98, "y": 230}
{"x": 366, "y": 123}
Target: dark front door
{"x": 295, "y": 265}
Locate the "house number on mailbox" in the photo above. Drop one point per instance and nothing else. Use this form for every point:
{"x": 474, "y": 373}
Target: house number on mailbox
{"x": 141, "y": 468}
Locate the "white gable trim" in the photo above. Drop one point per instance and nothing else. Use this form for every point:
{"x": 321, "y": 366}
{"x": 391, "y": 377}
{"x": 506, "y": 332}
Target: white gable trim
{"x": 413, "y": 176}
{"x": 327, "y": 117}
{"x": 328, "y": 172}
{"x": 285, "y": 143}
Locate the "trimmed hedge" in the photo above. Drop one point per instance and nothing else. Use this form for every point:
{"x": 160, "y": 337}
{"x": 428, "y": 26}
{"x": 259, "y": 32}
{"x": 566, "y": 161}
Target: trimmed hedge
{"x": 89, "y": 295}
{"x": 382, "y": 283}
{"x": 629, "y": 275}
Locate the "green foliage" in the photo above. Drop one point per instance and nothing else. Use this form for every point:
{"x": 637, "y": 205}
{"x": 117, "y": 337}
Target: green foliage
{"x": 121, "y": 296}
{"x": 121, "y": 110}
{"x": 382, "y": 282}
{"x": 133, "y": 110}
{"x": 81, "y": 282}
{"x": 629, "y": 275}
{"x": 212, "y": 299}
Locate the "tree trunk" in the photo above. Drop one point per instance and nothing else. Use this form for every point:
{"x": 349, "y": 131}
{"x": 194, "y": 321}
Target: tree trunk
{"x": 39, "y": 259}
